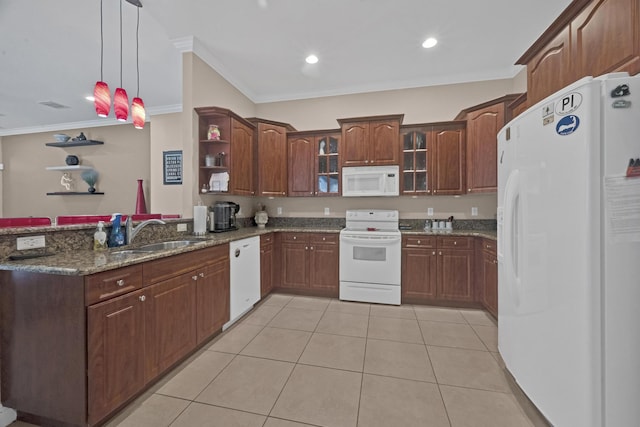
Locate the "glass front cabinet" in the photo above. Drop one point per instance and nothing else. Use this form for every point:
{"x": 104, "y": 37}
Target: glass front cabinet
{"x": 415, "y": 160}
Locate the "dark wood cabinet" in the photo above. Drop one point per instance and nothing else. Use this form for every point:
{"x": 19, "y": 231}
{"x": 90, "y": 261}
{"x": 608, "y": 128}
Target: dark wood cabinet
{"x": 212, "y": 298}
{"x": 416, "y": 168}
{"x": 437, "y": 269}
{"x": 589, "y": 38}
{"x": 419, "y": 264}
{"x": 271, "y": 140}
{"x": 447, "y": 147}
{"x": 484, "y": 121}
{"x": 233, "y": 153}
{"x": 309, "y": 262}
{"x": 487, "y": 275}
{"x": 370, "y": 141}
{"x": 320, "y": 149}
{"x": 116, "y": 349}
{"x": 266, "y": 264}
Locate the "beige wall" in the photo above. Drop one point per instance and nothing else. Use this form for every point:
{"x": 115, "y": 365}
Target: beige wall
{"x": 122, "y": 160}
{"x": 165, "y": 136}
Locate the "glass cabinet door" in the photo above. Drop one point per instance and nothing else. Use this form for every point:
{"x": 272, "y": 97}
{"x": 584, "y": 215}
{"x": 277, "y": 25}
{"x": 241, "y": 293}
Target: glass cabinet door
{"x": 415, "y": 162}
{"x": 328, "y": 172}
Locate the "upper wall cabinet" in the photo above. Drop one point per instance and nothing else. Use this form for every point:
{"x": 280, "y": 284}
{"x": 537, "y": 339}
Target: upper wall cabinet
{"x": 370, "y": 141}
{"x": 483, "y": 123}
{"x": 590, "y": 38}
{"x": 320, "y": 149}
{"x": 271, "y": 156}
{"x": 225, "y": 152}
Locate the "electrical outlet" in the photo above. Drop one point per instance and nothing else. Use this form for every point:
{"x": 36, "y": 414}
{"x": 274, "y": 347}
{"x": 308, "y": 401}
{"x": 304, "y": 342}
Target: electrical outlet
{"x": 182, "y": 227}
{"x": 279, "y": 210}
{"x": 474, "y": 211}
{"x": 32, "y": 242}
{"x": 327, "y": 211}
{"x": 430, "y": 211}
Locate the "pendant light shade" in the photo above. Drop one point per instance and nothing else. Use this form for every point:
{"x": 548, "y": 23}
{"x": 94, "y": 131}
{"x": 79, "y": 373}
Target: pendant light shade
{"x": 121, "y": 104}
{"x": 102, "y": 99}
{"x": 137, "y": 113}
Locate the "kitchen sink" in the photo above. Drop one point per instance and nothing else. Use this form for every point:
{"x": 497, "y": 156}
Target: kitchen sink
{"x": 129, "y": 252}
{"x": 167, "y": 245}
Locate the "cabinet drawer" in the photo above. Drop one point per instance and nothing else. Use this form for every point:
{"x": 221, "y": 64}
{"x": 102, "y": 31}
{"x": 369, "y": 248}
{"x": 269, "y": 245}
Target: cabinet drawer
{"x": 489, "y": 246}
{"x": 266, "y": 239}
{"x": 324, "y": 239}
{"x": 295, "y": 237}
{"x": 419, "y": 242}
{"x": 171, "y": 266}
{"x": 108, "y": 284}
{"x": 455, "y": 242}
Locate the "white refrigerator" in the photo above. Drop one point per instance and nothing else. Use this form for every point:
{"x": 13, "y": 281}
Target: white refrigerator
{"x": 569, "y": 252}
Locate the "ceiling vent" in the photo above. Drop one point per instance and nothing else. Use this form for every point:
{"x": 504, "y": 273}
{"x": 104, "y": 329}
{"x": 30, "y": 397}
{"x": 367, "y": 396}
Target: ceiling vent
{"x": 53, "y": 104}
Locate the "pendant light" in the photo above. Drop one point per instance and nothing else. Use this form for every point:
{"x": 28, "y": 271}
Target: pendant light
{"x": 121, "y": 100}
{"x": 101, "y": 94}
{"x": 137, "y": 106}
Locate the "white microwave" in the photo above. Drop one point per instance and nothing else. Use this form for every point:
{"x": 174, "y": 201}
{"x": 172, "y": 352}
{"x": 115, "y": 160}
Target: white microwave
{"x": 363, "y": 181}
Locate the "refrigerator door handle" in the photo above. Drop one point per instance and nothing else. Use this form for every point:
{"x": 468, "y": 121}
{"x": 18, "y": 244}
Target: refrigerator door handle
{"x": 511, "y": 232}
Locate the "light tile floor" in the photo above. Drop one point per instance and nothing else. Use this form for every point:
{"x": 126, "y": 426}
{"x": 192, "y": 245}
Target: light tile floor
{"x": 299, "y": 361}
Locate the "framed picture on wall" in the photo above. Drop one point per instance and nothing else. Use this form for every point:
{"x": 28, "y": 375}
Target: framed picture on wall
{"x": 172, "y": 167}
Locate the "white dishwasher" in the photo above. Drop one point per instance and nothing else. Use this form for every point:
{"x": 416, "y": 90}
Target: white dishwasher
{"x": 244, "y": 259}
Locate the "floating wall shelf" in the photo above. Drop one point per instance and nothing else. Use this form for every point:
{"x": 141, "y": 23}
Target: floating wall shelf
{"x": 68, "y": 168}
{"x": 74, "y": 143}
{"x": 74, "y": 193}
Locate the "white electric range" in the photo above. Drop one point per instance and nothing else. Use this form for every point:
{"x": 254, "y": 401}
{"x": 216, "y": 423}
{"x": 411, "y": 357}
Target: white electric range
{"x": 370, "y": 256}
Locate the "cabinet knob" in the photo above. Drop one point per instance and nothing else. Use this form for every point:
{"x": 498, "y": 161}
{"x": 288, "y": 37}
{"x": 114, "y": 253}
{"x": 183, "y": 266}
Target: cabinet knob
{"x": 283, "y": 193}
{"x": 366, "y": 161}
{"x": 428, "y": 191}
{"x": 488, "y": 246}
{"x": 194, "y": 277}
{"x": 455, "y": 243}
{"x": 306, "y": 248}
{"x": 295, "y": 237}
{"x": 495, "y": 261}
{"x": 324, "y": 238}
{"x": 468, "y": 190}
{"x": 418, "y": 241}
{"x": 316, "y": 193}
{"x": 435, "y": 191}
{"x": 311, "y": 248}
{"x": 201, "y": 275}
{"x": 433, "y": 253}
{"x": 311, "y": 192}
{"x": 142, "y": 298}
{"x": 120, "y": 282}
{"x": 440, "y": 253}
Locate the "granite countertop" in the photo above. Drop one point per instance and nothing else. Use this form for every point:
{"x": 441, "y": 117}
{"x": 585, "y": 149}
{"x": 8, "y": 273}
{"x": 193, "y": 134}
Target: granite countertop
{"x": 85, "y": 262}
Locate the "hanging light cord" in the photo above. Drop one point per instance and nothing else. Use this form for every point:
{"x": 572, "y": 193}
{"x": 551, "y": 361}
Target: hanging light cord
{"x": 137, "y": 54}
{"x": 120, "y": 43}
{"x": 101, "y": 45}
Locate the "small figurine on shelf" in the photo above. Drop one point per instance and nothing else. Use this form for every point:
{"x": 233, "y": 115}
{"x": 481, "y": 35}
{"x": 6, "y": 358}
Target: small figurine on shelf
{"x": 80, "y": 137}
{"x": 67, "y": 181}
{"x": 213, "y": 133}
{"x": 90, "y": 176}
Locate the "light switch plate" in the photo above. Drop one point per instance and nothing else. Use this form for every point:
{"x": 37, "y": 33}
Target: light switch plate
{"x": 32, "y": 242}
{"x": 430, "y": 211}
{"x": 279, "y": 210}
{"x": 182, "y": 227}
{"x": 474, "y": 211}
{"x": 327, "y": 211}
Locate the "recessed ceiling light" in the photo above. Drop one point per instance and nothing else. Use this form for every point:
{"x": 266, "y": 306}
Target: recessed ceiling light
{"x": 430, "y": 42}
{"x": 89, "y": 98}
{"x": 311, "y": 59}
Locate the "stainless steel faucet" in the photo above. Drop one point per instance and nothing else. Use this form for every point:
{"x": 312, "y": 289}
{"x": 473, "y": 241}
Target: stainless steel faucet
{"x": 132, "y": 232}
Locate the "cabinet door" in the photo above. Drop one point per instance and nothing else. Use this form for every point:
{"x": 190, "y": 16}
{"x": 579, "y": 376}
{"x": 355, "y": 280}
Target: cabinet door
{"x": 355, "y": 138}
{"x": 323, "y": 267}
{"x": 550, "y": 70}
{"x": 327, "y": 175}
{"x": 241, "y": 179}
{"x": 212, "y": 302}
{"x": 490, "y": 281}
{"x": 266, "y": 265}
{"x": 384, "y": 142}
{"x": 455, "y": 268}
{"x": 295, "y": 265}
{"x": 272, "y": 160}
{"x": 482, "y": 148}
{"x": 448, "y": 157}
{"x": 605, "y": 37}
{"x": 414, "y": 162}
{"x": 300, "y": 152}
{"x": 115, "y": 353}
{"x": 170, "y": 322}
{"x": 419, "y": 273}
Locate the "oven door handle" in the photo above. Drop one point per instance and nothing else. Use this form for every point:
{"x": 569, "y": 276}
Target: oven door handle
{"x": 373, "y": 240}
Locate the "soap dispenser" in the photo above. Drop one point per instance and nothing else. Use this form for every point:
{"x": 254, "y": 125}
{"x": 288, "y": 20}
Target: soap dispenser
{"x": 100, "y": 238}
{"x": 116, "y": 238}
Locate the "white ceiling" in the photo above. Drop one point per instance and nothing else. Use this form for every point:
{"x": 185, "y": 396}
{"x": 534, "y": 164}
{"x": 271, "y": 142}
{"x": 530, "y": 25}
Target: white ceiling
{"x": 50, "y": 50}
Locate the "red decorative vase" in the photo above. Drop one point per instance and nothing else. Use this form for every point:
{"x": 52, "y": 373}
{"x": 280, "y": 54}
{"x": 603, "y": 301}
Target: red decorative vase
{"x": 141, "y": 205}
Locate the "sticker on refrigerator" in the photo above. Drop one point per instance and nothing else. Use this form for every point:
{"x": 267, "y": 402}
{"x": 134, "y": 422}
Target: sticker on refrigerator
{"x": 567, "y": 125}
{"x": 568, "y": 103}
{"x": 547, "y": 114}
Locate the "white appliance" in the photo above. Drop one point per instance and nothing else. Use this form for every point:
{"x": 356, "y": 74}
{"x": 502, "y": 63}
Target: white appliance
{"x": 362, "y": 181}
{"x": 569, "y": 253}
{"x": 244, "y": 259}
{"x": 370, "y": 254}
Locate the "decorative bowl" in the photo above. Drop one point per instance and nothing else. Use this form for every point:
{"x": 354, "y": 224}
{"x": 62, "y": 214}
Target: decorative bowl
{"x": 61, "y": 137}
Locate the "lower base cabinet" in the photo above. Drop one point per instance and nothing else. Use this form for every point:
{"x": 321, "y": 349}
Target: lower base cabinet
{"x": 437, "y": 268}
{"x": 489, "y": 276}
{"x": 309, "y": 263}
{"x": 266, "y": 264}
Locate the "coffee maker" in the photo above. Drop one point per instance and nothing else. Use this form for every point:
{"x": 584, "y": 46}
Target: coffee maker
{"x": 224, "y": 214}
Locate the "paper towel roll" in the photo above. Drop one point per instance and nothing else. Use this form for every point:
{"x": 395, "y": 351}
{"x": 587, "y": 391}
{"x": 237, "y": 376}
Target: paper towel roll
{"x": 199, "y": 220}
